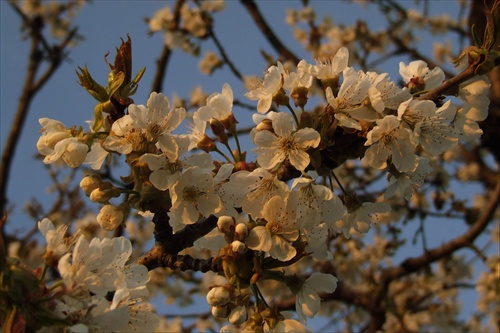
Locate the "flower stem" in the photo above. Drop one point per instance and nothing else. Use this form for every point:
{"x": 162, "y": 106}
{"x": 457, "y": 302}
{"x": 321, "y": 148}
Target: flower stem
{"x": 223, "y": 155}
{"x": 293, "y": 114}
{"x": 339, "y": 183}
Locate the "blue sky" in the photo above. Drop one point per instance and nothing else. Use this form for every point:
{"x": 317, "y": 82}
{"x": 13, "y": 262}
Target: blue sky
{"x": 103, "y": 23}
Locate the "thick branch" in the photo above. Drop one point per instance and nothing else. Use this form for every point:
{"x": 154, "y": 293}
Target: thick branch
{"x": 164, "y": 252}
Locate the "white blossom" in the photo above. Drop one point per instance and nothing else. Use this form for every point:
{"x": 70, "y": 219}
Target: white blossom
{"x": 307, "y": 301}
{"x": 286, "y": 143}
{"x": 278, "y": 233}
{"x": 388, "y": 141}
{"x": 267, "y": 88}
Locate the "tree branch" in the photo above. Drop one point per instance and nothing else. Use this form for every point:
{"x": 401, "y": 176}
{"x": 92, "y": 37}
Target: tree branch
{"x": 411, "y": 265}
{"x": 162, "y": 62}
{"x": 31, "y": 87}
{"x": 266, "y": 30}
{"x": 168, "y": 245}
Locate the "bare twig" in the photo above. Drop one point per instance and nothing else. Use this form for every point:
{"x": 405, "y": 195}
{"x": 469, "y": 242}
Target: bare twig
{"x": 162, "y": 62}
{"x": 39, "y": 50}
{"x": 266, "y": 30}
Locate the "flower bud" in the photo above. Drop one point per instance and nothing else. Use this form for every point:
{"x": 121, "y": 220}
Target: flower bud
{"x": 218, "y": 130}
{"x": 238, "y": 247}
{"x": 230, "y": 123}
{"x": 218, "y": 296}
{"x": 104, "y": 193}
{"x": 241, "y": 231}
{"x": 265, "y": 125}
{"x": 220, "y": 312}
{"x": 299, "y": 96}
{"x": 225, "y": 223}
{"x": 238, "y": 315}
{"x": 206, "y": 144}
{"x": 110, "y": 217}
{"x": 281, "y": 98}
{"x": 90, "y": 183}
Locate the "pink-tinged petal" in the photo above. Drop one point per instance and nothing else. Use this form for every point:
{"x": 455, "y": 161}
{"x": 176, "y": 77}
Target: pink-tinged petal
{"x": 282, "y": 249}
{"x": 259, "y": 239}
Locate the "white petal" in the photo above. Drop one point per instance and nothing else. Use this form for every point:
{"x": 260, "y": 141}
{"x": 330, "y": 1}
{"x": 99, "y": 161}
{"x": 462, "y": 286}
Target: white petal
{"x": 259, "y": 239}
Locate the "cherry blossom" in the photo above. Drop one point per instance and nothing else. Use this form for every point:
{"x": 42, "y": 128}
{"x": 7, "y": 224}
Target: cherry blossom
{"x": 431, "y": 125}
{"x": 474, "y": 95}
{"x": 348, "y": 104}
{"x": 55, "y": 237}
{"x": 307, "y": 301}
{"x": 278, "y": 233}
{"x": 316, "y": 204}
{"x": 359, "y": 217}
{"x": 219, "y": 105}
{"x": 388, "y": 141}
{"x": 192, "y": 197}
{"x": 70, "y": 150}
{"x": 158, "y": 121}
{"x": 285, "y": 143}
{"x": 405, "y": 183}
{"x": 331, "y": 67}
{"x": 251, "y": 190}
{"x": 267, "y": 88}
{"x": 419, "y": 77}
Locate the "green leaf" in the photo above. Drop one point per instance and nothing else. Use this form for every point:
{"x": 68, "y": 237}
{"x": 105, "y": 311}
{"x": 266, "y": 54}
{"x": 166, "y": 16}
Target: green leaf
{"x": 90, "y": 85}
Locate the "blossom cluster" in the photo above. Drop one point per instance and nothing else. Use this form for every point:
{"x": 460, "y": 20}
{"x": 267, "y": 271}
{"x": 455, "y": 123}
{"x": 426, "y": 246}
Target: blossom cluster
{"x": 281, "y": 204}
{"x": 98, "y": 291}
